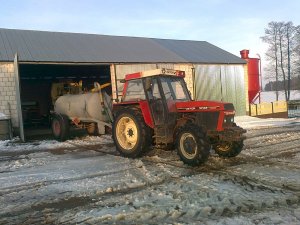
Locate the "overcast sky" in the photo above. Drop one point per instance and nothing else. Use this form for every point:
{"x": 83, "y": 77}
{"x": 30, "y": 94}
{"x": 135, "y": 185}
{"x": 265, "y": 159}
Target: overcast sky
{"x": 229, "y": 24}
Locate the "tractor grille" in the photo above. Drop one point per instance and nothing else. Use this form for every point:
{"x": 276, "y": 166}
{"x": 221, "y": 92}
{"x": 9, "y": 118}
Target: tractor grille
{"x": 208, "y": 119}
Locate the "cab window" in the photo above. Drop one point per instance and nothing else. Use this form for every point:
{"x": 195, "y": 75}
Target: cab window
{"x": 135, "y": 91}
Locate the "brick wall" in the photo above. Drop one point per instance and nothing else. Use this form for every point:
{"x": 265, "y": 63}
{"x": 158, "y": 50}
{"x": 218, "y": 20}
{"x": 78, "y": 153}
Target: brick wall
{"x": 8, "y": 102}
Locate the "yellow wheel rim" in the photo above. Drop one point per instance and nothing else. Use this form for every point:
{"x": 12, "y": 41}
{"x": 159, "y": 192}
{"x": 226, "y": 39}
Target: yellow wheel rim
{"x": 188, "y": 145}
{"x": 126, "y": 132}
{"x": 224, "y": 147}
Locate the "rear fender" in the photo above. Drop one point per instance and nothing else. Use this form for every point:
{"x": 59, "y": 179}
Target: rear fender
{"x": 145, "y": 108}
{"x": 142, "y": 105}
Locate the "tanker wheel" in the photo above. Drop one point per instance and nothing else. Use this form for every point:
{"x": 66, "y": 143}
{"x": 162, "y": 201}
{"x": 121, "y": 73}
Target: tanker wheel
{"x": 192, "y": 145}
{"x": 60, "y": 127}
{"x": 228, "y": 149}
{"x": 130, "y": 133}
{"x": 92, "y": 129}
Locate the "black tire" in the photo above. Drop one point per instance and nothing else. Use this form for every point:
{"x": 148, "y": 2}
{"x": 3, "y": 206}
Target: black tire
{"x": 60, "y": 127}
{"x": 92, "y": 129}
{"x": 228, "y": 149}
{"x": 130, "y": 133}
{"x": 192, "y": 145}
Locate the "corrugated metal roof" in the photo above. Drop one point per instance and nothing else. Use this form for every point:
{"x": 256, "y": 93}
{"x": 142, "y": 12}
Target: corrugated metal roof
{"x": 44, "y": 46}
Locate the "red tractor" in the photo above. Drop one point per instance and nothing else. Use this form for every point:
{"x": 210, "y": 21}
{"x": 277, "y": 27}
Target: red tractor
{"x": 156, "y": 109}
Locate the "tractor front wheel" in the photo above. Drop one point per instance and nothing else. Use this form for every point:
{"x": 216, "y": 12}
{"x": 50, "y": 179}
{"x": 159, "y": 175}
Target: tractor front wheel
{"x": 130, "y": 133}
{"x": 228, "y": 149}
{"x": 192, "y": 145}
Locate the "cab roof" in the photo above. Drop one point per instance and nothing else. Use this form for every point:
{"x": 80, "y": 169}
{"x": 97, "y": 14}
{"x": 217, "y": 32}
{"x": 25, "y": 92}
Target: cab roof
{"x": 156, "y": 72}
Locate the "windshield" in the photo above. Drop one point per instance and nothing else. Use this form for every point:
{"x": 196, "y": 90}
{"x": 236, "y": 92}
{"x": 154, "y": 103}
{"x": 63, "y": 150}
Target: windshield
{"x": 174, "y": 88}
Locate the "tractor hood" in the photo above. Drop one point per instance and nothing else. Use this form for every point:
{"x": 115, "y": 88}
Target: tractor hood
{"x": 204, "y": 106}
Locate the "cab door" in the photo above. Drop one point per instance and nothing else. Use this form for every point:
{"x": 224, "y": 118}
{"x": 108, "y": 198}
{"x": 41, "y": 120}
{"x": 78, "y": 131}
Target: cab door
{"x": 156, "y": 102}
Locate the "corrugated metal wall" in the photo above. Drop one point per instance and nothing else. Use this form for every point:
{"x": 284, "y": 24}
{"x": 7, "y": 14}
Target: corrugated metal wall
{"x": 222, "y": 83}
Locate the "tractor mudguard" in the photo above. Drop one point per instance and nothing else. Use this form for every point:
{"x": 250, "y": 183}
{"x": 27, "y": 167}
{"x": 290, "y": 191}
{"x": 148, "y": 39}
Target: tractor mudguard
{"x": 143, "y": 105}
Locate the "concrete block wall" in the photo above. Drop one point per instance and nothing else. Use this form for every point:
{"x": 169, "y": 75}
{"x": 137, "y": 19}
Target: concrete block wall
{"x": 8, "y": 100}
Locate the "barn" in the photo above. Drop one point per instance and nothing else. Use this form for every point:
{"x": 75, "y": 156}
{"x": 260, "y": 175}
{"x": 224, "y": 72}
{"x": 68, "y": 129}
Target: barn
{"x": 32, "y": 62}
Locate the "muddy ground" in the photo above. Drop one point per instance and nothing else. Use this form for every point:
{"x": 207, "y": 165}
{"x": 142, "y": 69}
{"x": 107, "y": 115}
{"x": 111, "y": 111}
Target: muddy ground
{"x": 79, "y": 183}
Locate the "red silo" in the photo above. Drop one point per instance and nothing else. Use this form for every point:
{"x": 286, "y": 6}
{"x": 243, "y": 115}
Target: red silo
{"x": 253, "y": 75}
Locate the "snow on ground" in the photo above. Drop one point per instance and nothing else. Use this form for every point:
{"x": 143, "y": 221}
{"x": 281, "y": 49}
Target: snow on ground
{"x": 248, "y": 122}
{"x": 16, "y": 144}
{"x": 77, "y": 182}
{"x": 270, "y": 96}
{"x": 3, "y": 116}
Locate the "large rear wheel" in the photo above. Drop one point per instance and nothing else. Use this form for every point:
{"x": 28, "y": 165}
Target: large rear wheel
{"x": 130, "y": 133}
{"x": 192, "y": 145}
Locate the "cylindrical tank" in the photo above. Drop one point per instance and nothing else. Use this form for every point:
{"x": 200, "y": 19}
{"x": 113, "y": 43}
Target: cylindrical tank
{"x": 253, "y": 74}
{"x": 82, "y": 105}
{"x": 244, "y": 54}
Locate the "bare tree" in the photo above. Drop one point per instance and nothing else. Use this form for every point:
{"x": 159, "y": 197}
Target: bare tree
{"x": 283, "y": 39}
{"x": 271, "y": 38}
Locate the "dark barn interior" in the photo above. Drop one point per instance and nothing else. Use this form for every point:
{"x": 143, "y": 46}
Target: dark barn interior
{"x": 37, "y": 82}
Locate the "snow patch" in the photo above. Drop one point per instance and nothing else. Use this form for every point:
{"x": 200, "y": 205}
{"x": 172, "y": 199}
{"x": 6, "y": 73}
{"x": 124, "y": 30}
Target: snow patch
{"x": 248, "y": 122}
{"x": 16, "y": 145}
{"x": 3, "y": 116}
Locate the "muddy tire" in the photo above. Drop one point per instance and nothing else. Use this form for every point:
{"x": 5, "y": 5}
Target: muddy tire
{"x": 92, "y": 129}
{"x": 192, "y": 145}
{"x": 130, "y": 133}
{"x": 228, "y": 149}
{"x": 60, "y": 127}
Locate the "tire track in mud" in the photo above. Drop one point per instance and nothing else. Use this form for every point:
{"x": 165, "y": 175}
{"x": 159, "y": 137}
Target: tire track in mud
{"x": 181, "y": 207}
{"x": 7, "y": 155}
{"x": 34, "y": 185}
{"x": 74, "y": 202}
{"x": 218, "y": 205}
{"x": 252, "y": 133}
{"x": 240, "y": 161}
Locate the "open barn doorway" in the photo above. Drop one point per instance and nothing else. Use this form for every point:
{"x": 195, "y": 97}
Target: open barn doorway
{"x": 42, "y": 84}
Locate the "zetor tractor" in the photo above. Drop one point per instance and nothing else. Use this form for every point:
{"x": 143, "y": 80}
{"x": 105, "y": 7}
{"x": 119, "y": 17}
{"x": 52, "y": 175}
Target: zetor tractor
{"x": 156, "y": 109}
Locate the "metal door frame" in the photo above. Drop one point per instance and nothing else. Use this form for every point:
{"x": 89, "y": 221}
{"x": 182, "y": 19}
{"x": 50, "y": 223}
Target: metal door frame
{"x": 18, "y": 98}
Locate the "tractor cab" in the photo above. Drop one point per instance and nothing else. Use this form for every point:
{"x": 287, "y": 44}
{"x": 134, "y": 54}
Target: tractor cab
{"x": 160, "y": 91}
{"x": 156, "y": 106}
